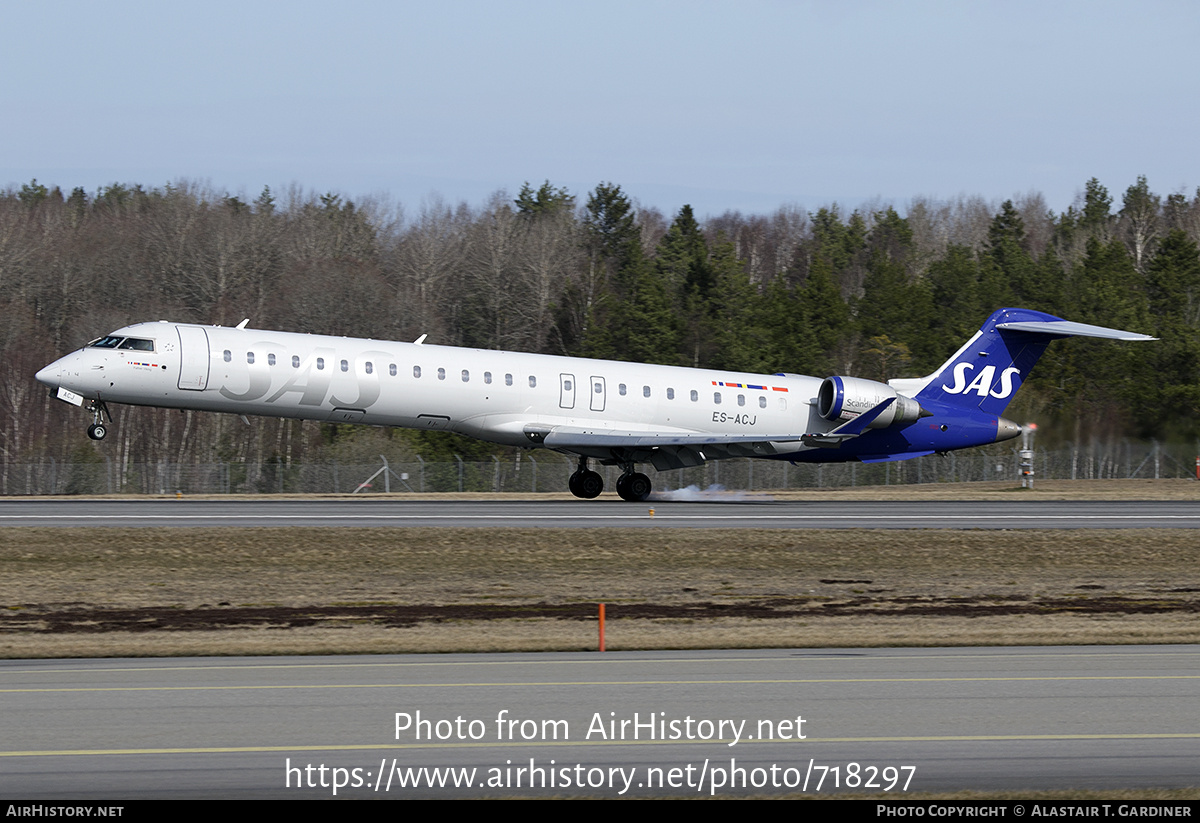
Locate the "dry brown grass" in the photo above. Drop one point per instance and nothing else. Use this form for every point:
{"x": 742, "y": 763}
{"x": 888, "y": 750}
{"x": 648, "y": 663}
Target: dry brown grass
{"x": 104, "y": 592}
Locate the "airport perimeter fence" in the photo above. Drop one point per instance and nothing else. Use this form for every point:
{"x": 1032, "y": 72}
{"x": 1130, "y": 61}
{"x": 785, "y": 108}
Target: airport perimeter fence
{"x": 539, "y": 472}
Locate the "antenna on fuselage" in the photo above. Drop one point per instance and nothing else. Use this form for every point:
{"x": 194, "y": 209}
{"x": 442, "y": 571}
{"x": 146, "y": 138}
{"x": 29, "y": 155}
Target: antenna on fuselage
{"x": 420, "y": 339}
{"x": 242, "y": 325}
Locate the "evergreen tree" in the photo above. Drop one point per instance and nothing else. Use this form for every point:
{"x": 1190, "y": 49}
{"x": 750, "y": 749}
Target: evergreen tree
{"x": 826, "y": 321}
{"x": 1139, "y": 221}
{"x": 738, "y": 334}
{"x": 955, "y": 290}
{"x": 1008, "y": 273}
{"x": 631, "y": 316}
{"x": 1165, "y": 377}
{"x": 1096, "y": 219}
{"x": 893, "y": 307}
{"x": 1173, "y": 280}
{"x": 682, "y": 257}
{"x": 547, "y": 199}
{"x": 33, "y": 193}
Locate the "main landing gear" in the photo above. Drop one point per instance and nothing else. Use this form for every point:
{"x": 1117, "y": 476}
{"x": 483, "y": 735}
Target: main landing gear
{"x": 631, "y": 485}
{"x": 584, "y": 482}
{"x": 98, "y": 430}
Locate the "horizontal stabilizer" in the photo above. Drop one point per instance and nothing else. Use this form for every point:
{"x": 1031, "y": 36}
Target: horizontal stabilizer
{"x": 1066, "y": 328}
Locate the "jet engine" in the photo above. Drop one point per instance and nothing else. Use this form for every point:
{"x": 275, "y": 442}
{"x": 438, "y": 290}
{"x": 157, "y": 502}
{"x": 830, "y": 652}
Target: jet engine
{"x": 845, "y": 398}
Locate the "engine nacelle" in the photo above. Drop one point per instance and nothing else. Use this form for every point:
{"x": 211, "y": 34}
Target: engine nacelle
{"x": 845, "y": 398}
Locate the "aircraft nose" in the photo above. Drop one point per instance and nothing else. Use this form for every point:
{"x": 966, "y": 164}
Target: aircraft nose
{"x": 49, "y": 375}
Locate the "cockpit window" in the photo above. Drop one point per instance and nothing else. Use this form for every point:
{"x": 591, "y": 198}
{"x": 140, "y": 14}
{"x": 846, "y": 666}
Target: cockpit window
{"x": 109, "y": 342}
{"x": 137, "y": 344}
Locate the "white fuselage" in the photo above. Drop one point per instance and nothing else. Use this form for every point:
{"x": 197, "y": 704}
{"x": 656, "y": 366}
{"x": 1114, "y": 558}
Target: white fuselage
{"x": 492, "y": 395}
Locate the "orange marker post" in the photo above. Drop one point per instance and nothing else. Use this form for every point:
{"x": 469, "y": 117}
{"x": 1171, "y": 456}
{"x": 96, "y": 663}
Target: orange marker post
{"x": 601, "y": 627}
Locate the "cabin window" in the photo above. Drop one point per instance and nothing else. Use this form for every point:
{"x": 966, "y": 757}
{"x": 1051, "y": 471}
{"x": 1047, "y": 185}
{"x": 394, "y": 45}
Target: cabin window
{"x": 441, "y": 374}
{"x": 762, "y": 401}
{"x": 670, "y": 394}
{"x": 295, "y": 361}
{"x": 566, "y": 385}
{"x": 487, "y": 377}
{"x": 345, "y": 366}
{"x": 621, "y": 389}
{"x": 137, "y": 344}
{"x": 695, "y": 395}
{"x": 228, "y": 355}
{"x": 270, "y": 360}
{"x": 717, "y": 397}
{"x": 416, "y": 371}
{"x": 532, "y": 382}
{"x": 645, "y": 391}
{"x": 249, "y": 357}
{"x": 392, "y": 369}
{"x": 741, "y": 399}
{"x": 598, "y": 388}
{"x": 466, "y": 376}
{"x": 320, "y": 363}
{"x": 508, "y": 379}
{"x": 369, "y": 367}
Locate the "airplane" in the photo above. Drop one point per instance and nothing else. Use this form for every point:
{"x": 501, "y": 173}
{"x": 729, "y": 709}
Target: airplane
{"x": 616, "y": 413}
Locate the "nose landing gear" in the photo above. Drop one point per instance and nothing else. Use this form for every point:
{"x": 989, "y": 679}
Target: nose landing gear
{"x": 99, "y": 410}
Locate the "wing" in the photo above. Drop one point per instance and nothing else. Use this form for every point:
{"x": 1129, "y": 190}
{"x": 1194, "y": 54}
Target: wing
{"x": 677, "y": 450}
{"x": 664, "y": 449}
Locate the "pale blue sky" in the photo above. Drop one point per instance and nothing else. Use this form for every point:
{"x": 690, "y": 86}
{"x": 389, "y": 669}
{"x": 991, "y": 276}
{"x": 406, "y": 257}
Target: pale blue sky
{"x": 724, "y": 105}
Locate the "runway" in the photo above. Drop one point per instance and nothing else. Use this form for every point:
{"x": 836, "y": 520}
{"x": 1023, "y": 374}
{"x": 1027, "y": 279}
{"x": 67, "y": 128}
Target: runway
{"x": 710, "y": 723}
{"x": 557, "y": 513}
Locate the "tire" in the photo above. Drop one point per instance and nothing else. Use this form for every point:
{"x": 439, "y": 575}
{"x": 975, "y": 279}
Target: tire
{"x": 639, "y": 487}
{"x": 97, "y": 431}
{"x": 634, "y": 487}
{"x": 590, "y": 485}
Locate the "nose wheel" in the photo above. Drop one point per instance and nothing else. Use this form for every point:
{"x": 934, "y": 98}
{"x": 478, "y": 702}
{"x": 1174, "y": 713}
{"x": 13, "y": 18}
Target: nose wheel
{"x": 98, "y": 431}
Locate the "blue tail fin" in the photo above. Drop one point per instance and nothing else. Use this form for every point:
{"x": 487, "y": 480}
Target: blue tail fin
{"x": 987, "y": 371}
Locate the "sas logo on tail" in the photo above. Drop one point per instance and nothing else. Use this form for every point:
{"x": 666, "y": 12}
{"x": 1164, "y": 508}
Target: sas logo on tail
{"x": 981, "y": 385}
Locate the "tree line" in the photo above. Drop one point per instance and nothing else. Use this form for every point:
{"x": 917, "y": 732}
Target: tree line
{"x": 873, "y": 292}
